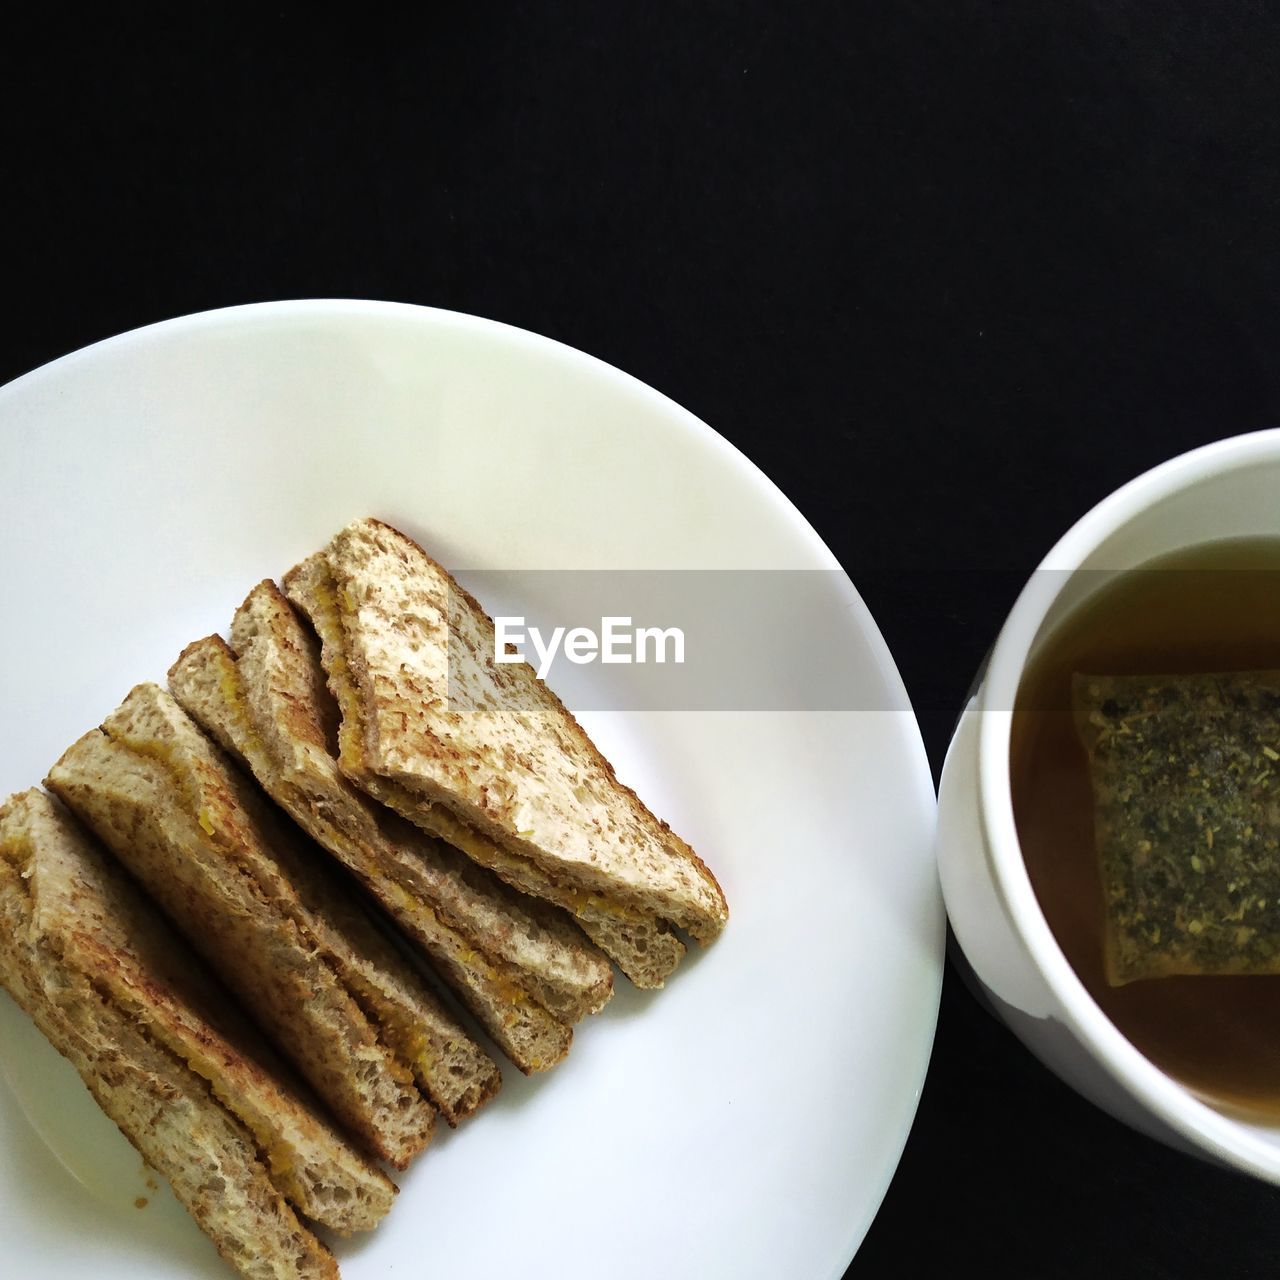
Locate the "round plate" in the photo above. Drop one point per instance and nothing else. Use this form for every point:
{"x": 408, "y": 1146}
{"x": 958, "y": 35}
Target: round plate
{"x": 746, "y": 1120}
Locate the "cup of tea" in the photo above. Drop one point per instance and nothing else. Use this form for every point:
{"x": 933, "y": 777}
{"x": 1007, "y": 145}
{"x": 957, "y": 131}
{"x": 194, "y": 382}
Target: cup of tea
{"x": 1162, "y": 605}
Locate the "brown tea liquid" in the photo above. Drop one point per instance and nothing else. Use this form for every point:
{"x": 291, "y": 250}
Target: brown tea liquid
{"x": 1214, "y": 607}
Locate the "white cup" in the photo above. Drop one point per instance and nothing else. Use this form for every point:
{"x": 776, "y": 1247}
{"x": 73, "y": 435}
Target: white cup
{"x": 1228, "y": 489}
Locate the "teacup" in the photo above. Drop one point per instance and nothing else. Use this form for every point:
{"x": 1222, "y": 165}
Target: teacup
{"x": 1227, "y": 489}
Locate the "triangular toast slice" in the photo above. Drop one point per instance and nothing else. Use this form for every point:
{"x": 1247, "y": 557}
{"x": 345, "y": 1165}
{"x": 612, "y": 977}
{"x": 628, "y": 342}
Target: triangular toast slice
{"x": 250, "y": 898}
{"x": 492, "y": 742}
{"x": 85, "y": 911}
{"x": 441, "y": 732}
{"x": 290, "y": 703}
{"x": 642, "y": 946}
{"x": 167, "y": 1109}
{"x": 518, "y": 967}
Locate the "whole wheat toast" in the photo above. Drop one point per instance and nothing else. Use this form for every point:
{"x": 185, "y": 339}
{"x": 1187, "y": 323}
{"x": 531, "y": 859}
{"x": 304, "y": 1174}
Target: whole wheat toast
{"x": 91, "y": 917}
{"x": 491, "y": 741}
{"x": 643, "y": 947}
{"x": 291, "y": 704}
{"x": 230, "y": 876}
{"x": 454, "y": 1071}
{"x": 518, "y": 966}
{"x": 162, "y": 1106}
{"x": 475, "y": 752}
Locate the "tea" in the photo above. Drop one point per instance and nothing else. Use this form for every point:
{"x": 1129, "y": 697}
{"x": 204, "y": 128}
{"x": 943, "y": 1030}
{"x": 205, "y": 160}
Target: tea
{"x": 1209, "y": 609}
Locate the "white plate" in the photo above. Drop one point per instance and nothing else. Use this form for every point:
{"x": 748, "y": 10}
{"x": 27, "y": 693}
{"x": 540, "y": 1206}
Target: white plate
{"x": 744, "y": 1122}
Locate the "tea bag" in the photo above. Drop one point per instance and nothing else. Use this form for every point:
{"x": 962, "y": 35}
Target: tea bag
{"x": 1186, "y": 785}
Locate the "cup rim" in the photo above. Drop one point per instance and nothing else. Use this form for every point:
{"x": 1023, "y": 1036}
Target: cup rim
{"x": 1232, "y": 1141}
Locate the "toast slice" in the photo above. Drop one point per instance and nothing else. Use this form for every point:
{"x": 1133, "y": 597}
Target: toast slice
{"x": 439, "y": 731}
{"x": 247, "y": 895}
{"x": 454, "y": 1071}
{"x": 643, "y": 947}
{"x": 167, "y": 1110}
{"x": 534, "y": 946}
{"x": 521, "y": 968}
{"x": 86, "y": 913}
{"x": 492, "y": 742}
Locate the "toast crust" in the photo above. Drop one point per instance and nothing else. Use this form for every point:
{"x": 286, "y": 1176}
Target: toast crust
{"x": 642, "y": 946}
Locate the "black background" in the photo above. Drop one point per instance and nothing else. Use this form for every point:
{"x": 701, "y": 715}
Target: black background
{"x": 947, "y": 272}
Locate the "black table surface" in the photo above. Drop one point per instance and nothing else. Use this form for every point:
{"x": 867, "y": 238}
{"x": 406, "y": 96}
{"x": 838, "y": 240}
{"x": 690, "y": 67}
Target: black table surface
{"x": 948, "y": 272}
